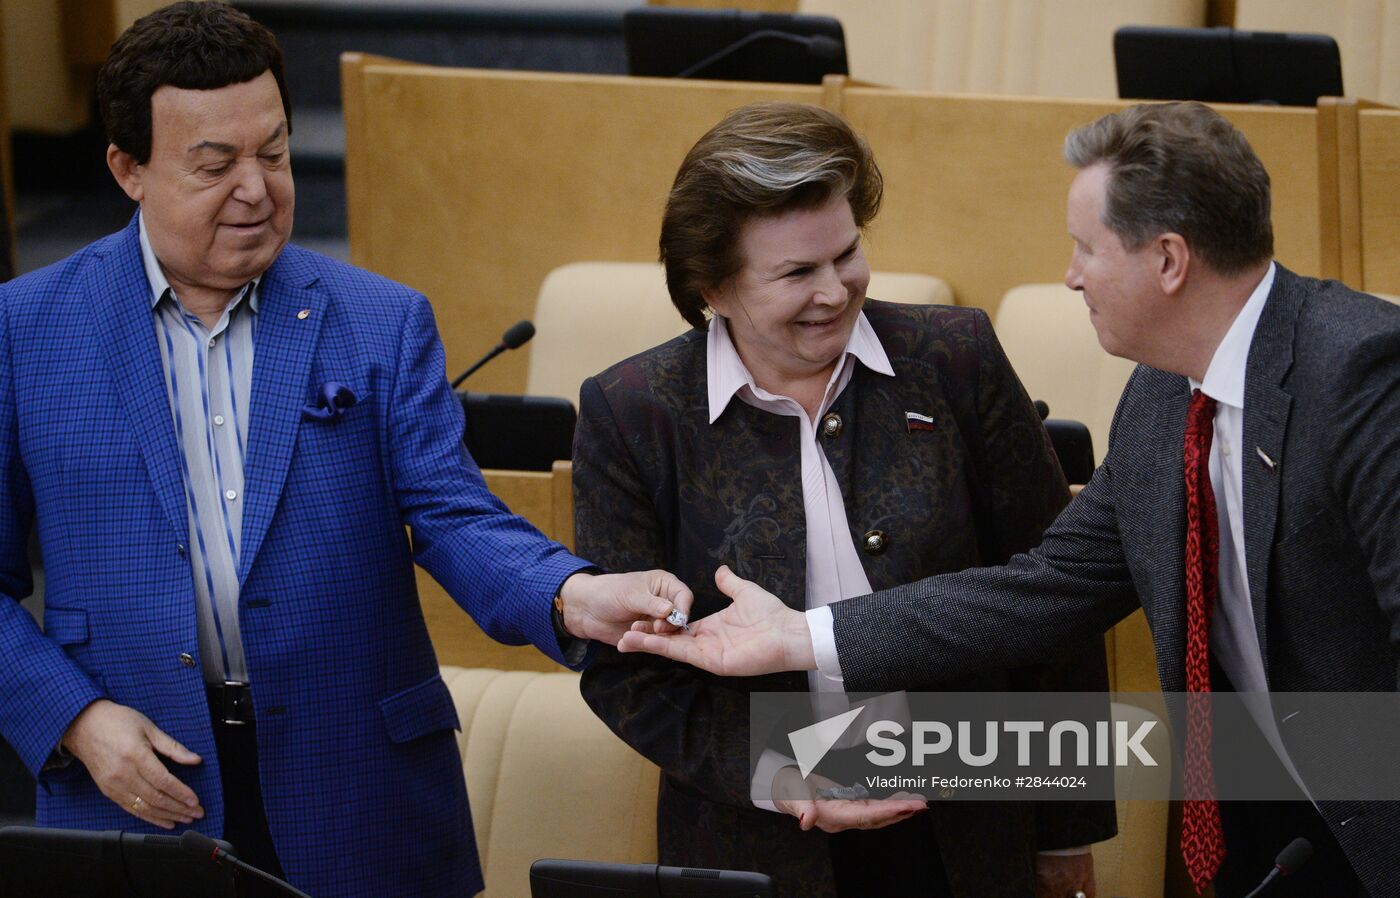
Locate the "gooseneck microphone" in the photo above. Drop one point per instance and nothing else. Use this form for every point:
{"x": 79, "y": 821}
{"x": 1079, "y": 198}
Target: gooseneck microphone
{"x": 1294, "y": 855}
{"x": 819, "y": 47}
{"x": 200, "y": 845}
{"x": 515, "y": 337}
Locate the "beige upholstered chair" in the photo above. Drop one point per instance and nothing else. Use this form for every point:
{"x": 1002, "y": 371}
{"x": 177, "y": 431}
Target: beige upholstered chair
{"x": 546, "y": 777}
{"x": 1367, "y": 32}
{"x": 1056, "y": 48}
{"x": 590, "y": 315}
{"x": 1046, "y": 331}
{"x": 1134, "y": 862}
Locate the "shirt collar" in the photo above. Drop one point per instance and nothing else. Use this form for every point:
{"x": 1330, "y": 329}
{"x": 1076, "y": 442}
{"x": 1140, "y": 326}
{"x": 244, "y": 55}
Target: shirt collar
{"x": 155, "y": 276}
{"x": 1224, "y": 381}
{"x": 726, "y": 373}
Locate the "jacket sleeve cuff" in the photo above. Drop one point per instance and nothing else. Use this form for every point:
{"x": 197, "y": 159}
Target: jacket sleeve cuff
{"x": 570, "y": 651}
{"x": 48, "y": 755}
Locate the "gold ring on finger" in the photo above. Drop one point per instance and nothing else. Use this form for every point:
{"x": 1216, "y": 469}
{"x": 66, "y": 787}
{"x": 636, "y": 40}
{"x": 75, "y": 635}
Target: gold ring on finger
{"x": 137, "y": 802}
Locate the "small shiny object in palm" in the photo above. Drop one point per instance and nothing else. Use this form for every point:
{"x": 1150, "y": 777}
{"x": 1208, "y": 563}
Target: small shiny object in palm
{"x": 677, "y": 618}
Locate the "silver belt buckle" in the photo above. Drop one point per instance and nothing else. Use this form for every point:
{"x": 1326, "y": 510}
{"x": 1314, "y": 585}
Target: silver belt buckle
{"x": 236, "y": 703}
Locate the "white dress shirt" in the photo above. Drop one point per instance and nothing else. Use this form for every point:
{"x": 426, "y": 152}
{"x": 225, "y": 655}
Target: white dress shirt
{"x": 208, "y": 374}
{"x": 834, "y": 569}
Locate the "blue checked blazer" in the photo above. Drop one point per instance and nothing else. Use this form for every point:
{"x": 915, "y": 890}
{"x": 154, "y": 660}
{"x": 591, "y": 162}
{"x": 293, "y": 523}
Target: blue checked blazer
{"x": 359, "y": 765}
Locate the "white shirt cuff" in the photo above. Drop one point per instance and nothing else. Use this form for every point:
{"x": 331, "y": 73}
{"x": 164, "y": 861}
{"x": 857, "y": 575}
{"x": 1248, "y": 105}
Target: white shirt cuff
{"x": 769, "y": 763}
{"x": 824, "y": 642}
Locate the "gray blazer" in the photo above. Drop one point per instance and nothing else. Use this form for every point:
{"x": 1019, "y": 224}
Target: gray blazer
{"x": 1322, "y": 540}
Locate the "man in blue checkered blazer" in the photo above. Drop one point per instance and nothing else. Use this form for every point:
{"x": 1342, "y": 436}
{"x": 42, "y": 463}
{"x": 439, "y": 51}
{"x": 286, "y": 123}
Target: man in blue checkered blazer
{"x": 221, "y": 438}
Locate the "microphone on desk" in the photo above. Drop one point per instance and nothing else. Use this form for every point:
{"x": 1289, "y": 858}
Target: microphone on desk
{"x": 828, "y": 53}
{"x": 516, "y": 336}
{"x": 1294, "y": 855}
{"x": 199, "y": 844}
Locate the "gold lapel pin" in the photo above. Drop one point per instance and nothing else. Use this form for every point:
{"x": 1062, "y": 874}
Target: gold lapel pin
{"x": 302, "y": 315}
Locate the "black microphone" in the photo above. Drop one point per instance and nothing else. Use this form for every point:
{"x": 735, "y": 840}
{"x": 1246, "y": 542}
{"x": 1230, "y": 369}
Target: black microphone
{"x": 819, "y": 47}
{"x": 516, "y": 336}
{"x": 200, "y": 845}
{"x": 1042, "y": 408}
{"x": 1294, "y": 855}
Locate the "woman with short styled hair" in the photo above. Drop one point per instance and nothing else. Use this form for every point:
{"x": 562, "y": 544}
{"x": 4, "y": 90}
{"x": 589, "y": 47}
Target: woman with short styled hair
{"x": 823, "y": 445}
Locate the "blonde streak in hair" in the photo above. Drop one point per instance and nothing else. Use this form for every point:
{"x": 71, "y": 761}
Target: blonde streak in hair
{"x": 789, "y": 172}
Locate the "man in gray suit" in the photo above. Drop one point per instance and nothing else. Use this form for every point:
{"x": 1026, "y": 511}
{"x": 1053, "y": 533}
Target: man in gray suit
{"x": 1249, "y": 501}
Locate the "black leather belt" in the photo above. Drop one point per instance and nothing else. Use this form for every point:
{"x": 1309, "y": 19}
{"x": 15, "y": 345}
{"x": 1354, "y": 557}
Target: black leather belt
{"x": 231, "y": 703}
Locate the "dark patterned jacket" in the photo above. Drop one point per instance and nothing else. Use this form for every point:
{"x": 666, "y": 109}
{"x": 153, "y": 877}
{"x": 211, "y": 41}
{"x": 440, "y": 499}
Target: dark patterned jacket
{"x": 656, "y": 485}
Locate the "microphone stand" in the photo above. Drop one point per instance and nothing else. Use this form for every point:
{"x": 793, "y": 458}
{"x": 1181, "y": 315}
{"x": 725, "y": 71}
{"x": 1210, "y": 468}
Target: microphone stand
{"x": 198, "y": 844}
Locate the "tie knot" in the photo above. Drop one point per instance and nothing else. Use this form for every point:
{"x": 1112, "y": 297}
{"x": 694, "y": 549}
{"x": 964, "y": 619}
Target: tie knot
{"x": 1201, "y": 413}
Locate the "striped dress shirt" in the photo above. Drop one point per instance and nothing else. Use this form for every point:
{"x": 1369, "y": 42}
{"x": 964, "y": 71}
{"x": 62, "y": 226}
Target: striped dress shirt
{"x": 208, "y": 374}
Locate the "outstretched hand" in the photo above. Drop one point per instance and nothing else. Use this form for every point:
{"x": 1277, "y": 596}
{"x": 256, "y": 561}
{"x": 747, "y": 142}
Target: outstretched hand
{"x": 756, "y": 634}
{"x": 603, "y": 606}
{"x": 797, "y": 796}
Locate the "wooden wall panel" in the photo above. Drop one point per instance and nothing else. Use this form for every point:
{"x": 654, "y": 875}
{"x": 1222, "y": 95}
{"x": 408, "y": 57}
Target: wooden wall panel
{"x": 1286, "y": 140}
{"x": 1379, "y": 148}
{"x": 472, "y": 185}
{"x": 479, "y": 183}
{"x": 7, "y": 177}
{"x": 975, "y": 187}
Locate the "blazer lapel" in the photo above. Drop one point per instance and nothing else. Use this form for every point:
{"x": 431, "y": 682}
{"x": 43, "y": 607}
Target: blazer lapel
{"x": 290, "y": 311}
{"x": 121, "y": 300}
{"x": 1266, "y": 411}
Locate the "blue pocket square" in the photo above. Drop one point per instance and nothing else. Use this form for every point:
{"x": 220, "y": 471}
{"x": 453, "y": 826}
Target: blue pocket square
{"x": 331, "y": 399}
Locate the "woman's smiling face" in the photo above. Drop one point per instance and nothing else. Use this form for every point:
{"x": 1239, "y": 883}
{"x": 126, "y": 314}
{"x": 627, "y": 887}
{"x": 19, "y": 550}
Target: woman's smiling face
{"x": 790, "y": 309}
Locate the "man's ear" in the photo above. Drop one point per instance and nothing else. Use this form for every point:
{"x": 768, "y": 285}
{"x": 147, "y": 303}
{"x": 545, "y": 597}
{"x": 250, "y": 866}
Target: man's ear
{"x": 1174, "y": 261}
{"x": 127, "y": 171}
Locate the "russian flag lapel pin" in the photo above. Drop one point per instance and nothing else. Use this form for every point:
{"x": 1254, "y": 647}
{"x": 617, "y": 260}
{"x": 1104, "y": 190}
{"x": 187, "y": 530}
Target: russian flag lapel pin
{"x": 915, "y": 421}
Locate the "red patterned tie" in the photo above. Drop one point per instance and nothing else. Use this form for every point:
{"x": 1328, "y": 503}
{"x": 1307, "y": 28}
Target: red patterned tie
{"x": 1202, "y": 840}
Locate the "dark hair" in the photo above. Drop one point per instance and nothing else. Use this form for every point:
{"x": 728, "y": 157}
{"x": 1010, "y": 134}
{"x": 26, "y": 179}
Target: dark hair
{"x": 194, "y": 46}
{"x": 762, "y": 159}
{"x": 1180, "y": 168}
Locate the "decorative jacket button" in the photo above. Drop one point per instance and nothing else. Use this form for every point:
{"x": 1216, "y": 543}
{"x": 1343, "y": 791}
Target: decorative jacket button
{"x": 876, "y": 542}
{"x": 832, "y": 426}
{"x": 947, "y": 793}
{"x": 187, "y": 659}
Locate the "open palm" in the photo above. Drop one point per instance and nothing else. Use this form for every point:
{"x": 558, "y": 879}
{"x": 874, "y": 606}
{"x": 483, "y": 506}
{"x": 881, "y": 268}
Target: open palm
{"x": 756, "y": 634}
